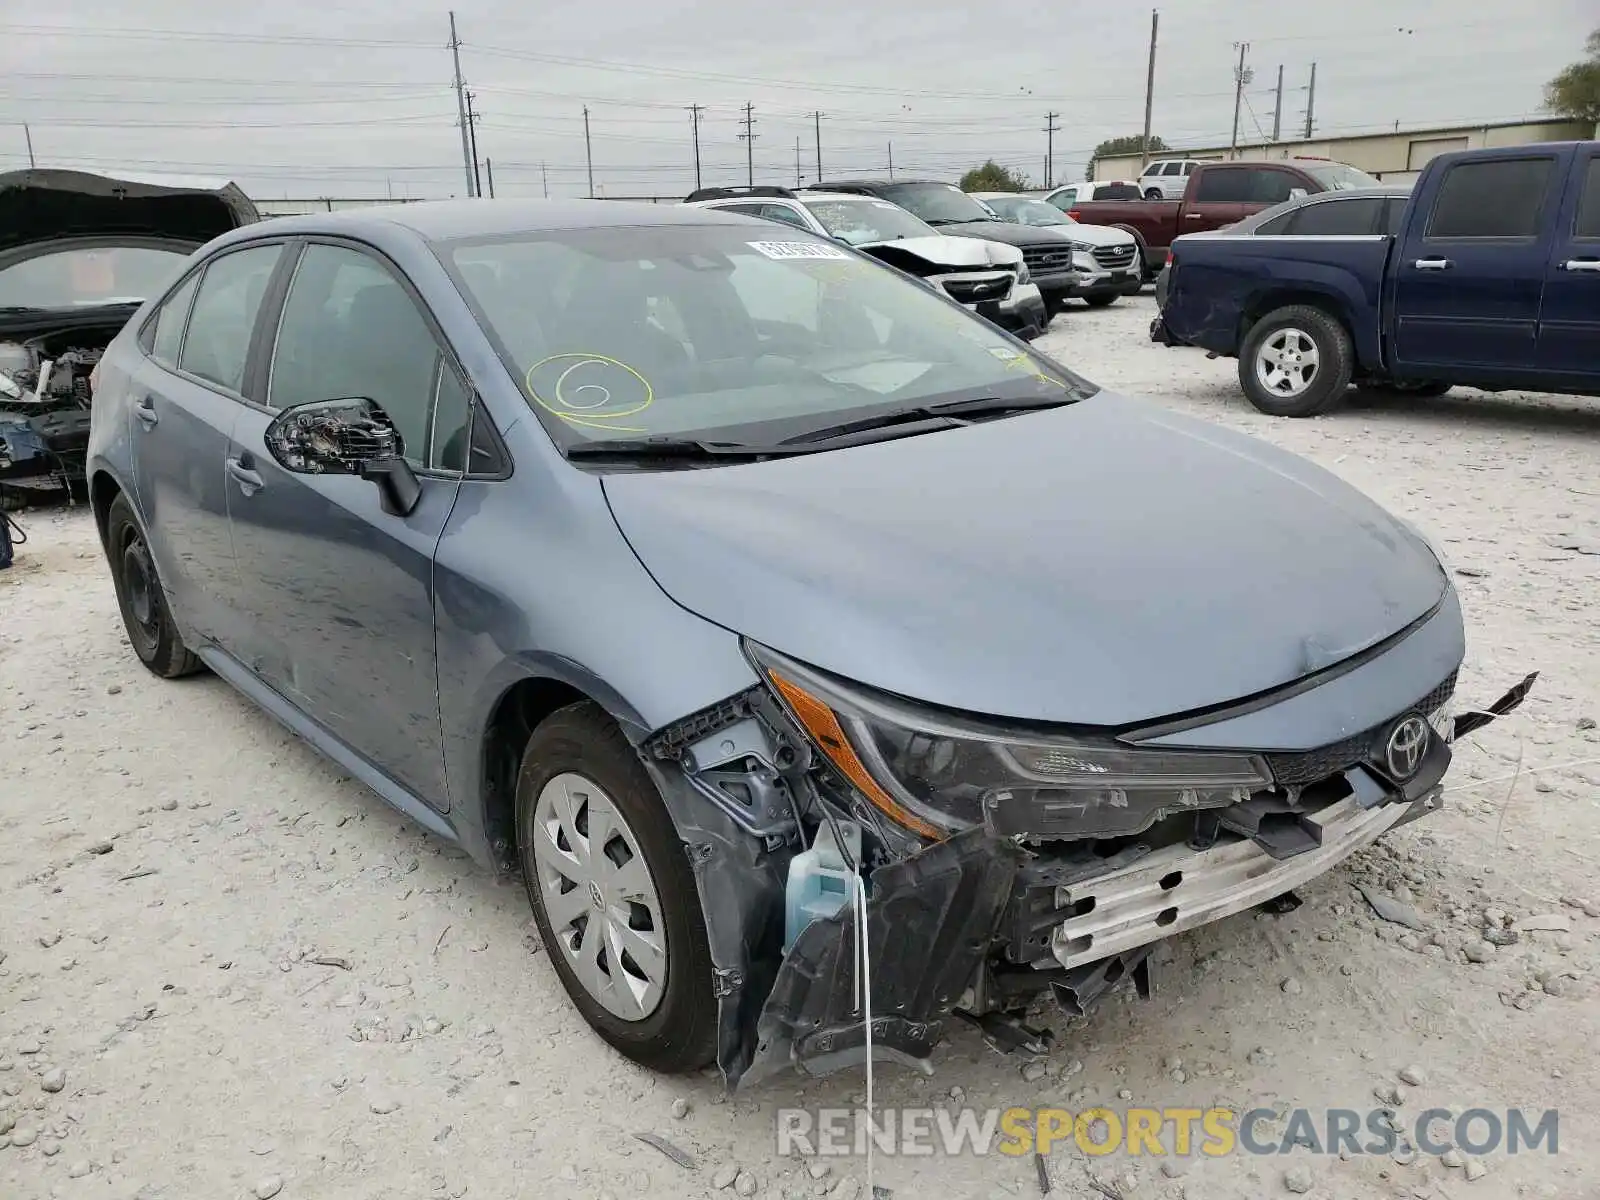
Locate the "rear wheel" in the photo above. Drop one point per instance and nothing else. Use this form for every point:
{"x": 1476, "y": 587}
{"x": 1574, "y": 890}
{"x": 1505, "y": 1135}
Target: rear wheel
{"x": 1153, "y": 194}
{"x": 1105, "y": 301}
{"x": 612, "y": 892}
{"x": 145, "y": 615}
{"x": 1296, "y": 362}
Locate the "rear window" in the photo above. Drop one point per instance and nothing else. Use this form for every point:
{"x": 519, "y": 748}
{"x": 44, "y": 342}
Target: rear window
{"x": 1503, "y": 198}
{"x": 1335, "y": 218}
{"x": 1336, "y": 177}
{"x": 1589, "y": 207}
{"x": 1245, "y": 185}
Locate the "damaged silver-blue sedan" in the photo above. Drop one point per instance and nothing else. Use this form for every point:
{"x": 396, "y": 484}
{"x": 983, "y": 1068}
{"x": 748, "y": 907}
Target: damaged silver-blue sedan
{"x": 761, "y": 607}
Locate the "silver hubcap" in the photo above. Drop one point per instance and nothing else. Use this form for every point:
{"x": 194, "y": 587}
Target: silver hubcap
{"x": 599, "y": 896}
{"x": 1287, "y": 362}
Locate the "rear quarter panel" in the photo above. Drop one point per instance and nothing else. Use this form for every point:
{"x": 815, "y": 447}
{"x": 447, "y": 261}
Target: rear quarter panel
{"x": 1220, "y": 284}
{"x": 1153, "y": 222}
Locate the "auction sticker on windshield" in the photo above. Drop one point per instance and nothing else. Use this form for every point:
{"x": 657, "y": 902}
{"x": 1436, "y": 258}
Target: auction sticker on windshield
{"x": 798, "y": 250}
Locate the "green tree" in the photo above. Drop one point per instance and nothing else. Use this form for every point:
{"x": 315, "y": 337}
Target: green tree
{"x": 992, "y": 177}
{"x": 1575, "y": 93}
{"x": 1118, "y": 146}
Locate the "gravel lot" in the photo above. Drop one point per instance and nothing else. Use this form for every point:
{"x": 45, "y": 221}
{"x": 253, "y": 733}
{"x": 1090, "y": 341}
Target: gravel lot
{"x": 227, "y": 971}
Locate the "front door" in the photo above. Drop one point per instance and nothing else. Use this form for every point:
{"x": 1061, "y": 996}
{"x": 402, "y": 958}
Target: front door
{"x": 186, "y": 399}
{"x": 337, "y": 593}
{"x": 1469, "y": 271}
{"x": 1569, "y": 318}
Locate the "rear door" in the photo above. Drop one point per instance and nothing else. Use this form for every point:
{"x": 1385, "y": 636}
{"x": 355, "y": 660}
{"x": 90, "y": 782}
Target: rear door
{"x": 186, "y": 393}
{"x": 1569, "y": 316}
{"x": 1471, "y": 267}
{"x": 337, "y": 594}
{"x": 1222, "y": 193}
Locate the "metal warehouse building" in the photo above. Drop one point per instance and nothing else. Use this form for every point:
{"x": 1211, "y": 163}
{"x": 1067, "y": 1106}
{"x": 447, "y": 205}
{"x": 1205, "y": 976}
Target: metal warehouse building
{"x": 1394, "y": 157}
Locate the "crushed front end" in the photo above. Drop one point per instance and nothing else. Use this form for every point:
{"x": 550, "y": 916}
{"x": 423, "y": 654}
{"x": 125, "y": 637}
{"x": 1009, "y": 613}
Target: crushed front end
{"x": 1000, "y": 863}
{"x": 45, "y": 399}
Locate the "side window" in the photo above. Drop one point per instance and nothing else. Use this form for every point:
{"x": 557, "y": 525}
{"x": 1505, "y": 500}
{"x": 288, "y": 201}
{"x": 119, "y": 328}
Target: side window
{"x": 746, "y": 210}
{"x": 224, "y": 316}
{"x": 1588, "y": 225}
{"x": 1278, "y": 226}
{"x": 1173, "y": 168}
{"x": 1394, "y": 211}
{"x": 1498, "y": 199}
{"x": 1332, "y": 218}
{"x": 1228, "y": 185}
{"x": 1271, "y": 187}
{"x": 782, "y": 212}
{"x": 1188, "y": 168}
{"x": 170, "y": 320}
{"x": 350, "y": 329}
{"x": 450, "y": 437}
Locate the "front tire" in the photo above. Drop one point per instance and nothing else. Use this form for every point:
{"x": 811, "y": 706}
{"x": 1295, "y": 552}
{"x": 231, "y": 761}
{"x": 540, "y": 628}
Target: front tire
{"x": 1296, "y": 362}
{"x": 1101, "y": 301}
{"x": 145, "y": 613}
{"x": 613, "y": 894}
{"x": 1154, "y": 194}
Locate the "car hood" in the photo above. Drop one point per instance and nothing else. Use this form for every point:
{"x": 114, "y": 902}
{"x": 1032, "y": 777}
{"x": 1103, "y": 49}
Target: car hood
{"x": 1105, "y": 563}
{"x": 45, "y": 205}
{"x": 958, "y": 253}
{"x": 1005, "y": 231}
{"x": 1096, "y": 235}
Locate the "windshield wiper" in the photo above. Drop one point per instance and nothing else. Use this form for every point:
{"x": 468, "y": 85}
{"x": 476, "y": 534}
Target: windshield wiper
{"x": 931, "y": 417}
{"x": 668, "y": 448}
{"x": 988, "y": 406}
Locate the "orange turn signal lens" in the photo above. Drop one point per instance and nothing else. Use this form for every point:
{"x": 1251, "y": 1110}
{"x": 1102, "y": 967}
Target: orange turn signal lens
{"x": 823, "y": 726}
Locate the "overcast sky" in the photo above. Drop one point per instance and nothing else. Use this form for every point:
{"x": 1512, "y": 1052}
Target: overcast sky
{"x": 353, "y": 98}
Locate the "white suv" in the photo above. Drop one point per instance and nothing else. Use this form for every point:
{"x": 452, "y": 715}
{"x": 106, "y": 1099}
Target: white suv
{"x": 1166, "y": 178}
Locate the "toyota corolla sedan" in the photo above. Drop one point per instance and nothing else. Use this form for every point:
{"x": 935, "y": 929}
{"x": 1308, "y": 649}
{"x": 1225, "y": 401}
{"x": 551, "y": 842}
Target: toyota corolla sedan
{"x": 765, "y": 610}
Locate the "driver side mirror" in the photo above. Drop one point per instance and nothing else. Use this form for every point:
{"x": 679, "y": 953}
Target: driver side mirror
{"x": 351, "y": 436}
{"x": 1297, "y": 193}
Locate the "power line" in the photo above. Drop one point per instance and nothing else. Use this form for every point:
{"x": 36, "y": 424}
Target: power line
{"x": 461, "y": 103}
{"x": 1050, "y": 119}
{"x": 694, "y": 119}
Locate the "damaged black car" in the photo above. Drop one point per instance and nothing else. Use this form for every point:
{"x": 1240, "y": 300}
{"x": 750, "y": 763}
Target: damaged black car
{"x": 79, "y": 253}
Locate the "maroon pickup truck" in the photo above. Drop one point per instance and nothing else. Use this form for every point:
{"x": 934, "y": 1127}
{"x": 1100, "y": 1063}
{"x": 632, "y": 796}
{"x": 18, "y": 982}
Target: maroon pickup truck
{"x": 1218, "y": 194}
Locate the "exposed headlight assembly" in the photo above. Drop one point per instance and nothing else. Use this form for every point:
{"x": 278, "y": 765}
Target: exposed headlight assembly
{"x": 1082, "y": 248}
{"x": 936, "y": 773}
{"x": 1023, "y": 275}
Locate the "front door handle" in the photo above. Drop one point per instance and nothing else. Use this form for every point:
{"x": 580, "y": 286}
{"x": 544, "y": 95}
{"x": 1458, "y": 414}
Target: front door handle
{"x": 145, "y": 410}
{"x": 1433, "y": 264}
{"x": 248, "y": 480}
{"x": 1581, "y": 264}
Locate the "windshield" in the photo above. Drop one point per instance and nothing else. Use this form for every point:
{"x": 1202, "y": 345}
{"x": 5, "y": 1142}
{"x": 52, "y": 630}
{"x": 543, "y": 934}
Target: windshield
{"x": 93, "y": 275}
{"x": 682, "y": 330}
{"x": 936, "y": 203}
{"x": 861, "y": 221}
{"x": 1337, "y": 177}
{"x": 1025, "y": 211}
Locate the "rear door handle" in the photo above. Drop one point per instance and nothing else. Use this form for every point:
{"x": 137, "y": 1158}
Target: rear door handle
{"x": 1581, "y": 264}
{"x": 145, "y": 410}
{"x": 1433, "y": 264}
{"x": 249, "y": 482}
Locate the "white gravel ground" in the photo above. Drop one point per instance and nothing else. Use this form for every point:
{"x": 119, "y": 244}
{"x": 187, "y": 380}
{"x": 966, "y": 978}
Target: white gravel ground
{"x": 174, "y": 866}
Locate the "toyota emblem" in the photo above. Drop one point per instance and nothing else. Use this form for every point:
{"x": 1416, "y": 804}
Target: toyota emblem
{"x": 1408, "y": 742}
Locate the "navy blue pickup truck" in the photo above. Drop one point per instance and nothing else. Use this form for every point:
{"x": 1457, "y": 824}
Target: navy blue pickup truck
{"x": 1487, "y": 274}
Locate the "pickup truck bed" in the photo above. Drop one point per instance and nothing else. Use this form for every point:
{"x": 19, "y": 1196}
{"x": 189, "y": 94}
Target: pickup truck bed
{"x": 1493, "y": 280}
{"x": 1218, "y": 194}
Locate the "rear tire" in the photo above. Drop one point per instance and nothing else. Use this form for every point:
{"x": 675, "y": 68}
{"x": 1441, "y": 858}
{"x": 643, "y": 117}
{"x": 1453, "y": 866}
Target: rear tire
{"x": 1296, "y": 362}
{"x": 1101, "y": 301}
{"x": 630, "y": 948}
{"x": 145, "y": 613}
{"x": 1153, "y": 194}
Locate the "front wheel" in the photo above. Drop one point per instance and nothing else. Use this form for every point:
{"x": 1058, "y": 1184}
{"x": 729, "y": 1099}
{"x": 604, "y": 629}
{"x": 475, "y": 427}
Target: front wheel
{"x": 1154, "y": 194}
{"x": 613, "y": 894}
{"x": 1296, "y": 362}
{"x": 1105, "y": 301}
{"x": 145, "y": 615}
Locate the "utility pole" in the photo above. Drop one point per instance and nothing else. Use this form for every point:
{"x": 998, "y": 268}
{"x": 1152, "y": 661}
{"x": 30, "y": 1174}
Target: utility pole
{"x": 1241, "y": 76}
{"x": 588, "y": 150}
{"x": 28, "y": 134}
{"x": 694, "y": 121}
{"x": 472, "y": 140}
{"x": 1149, "y": 90}
{"x": 544, "y": 175}
{"x": 748, "y": 137}
{"x": 798, "y": 179}
{"x": 891, "y": 162}
{"x": 816, "y": 121}
{"x": 1277, "y": 113}
{"x": 1050, "y": 146}
{"x": 461, "y": 104}
{"x": 1311, "y": 102}
{"x": 488, "y": 167}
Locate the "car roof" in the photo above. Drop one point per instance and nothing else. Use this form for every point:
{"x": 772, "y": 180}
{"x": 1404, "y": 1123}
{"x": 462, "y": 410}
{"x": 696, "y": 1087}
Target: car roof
{"x": 798, "y": 198}
{"x": 448, "y": 220}
{"x": 873, "y": 183}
